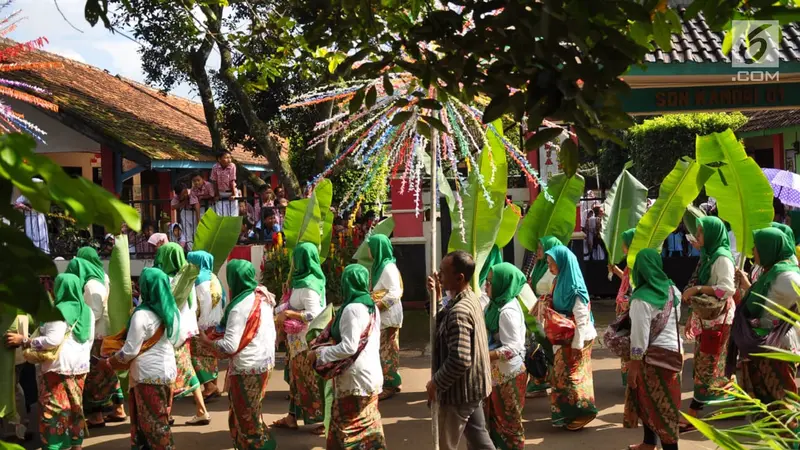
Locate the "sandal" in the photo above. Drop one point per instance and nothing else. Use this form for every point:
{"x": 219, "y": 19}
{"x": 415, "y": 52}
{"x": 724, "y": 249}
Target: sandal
{"x": 318, "y": 431}
{"x": 115, "y": 419}
{"x": 536, "y": 394}
{"x": 284, "y": 423}
{"x": 579, "y": 423}
{"x": 685, "y": 427}
{"x": 211, "y": 396}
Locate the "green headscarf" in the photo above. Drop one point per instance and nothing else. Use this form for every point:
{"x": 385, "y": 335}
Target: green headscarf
{"x": 495, "y": 257}
{"x": 170, "y": 258}
{"x": 205, "y": 262}
{"x": 652, "y": 284}
{"x": 90, "y": 254}
{"x": 547, "y": 242}
{"x": 569, "y": 281}
{"x": 507, "y": 283}
{"x": 68, "y": 289}
{"x": 786, "y": 229}
{"x": 380, "y": 247}
{"x": 355, "y": 289}
{"x": 241, "y": 282}
{"x": 775, "y": 251}
{"x": 715, "y": 244}
{"x": 155, "y": 294}
{"x": 85, "y": 271}
{"x": 307, "y": 271}
{"x": 794, "y": 217}
{"x": 627, "y": 236}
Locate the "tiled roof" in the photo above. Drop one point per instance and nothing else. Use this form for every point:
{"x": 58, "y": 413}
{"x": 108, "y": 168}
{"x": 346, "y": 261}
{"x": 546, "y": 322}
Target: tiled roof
{"x": 770, "y": 120}
{"x": 123, "y": 112}
{"x": 697, "y": 43}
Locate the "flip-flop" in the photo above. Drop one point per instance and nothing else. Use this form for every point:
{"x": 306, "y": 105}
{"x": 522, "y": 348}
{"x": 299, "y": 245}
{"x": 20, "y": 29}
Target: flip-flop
{"x": 686, "y": 427}
{"x": 281, "y": 423}
{"x": 115, "y": 419}
{"x": 580, "y": 423}
{"x": 211, "y": 396}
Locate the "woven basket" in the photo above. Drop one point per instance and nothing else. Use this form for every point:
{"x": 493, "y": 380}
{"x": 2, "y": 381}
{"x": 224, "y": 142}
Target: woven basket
{"x": 707, "y": 307}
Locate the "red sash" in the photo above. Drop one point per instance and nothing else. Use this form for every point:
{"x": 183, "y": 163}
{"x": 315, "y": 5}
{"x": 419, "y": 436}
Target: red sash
{"x": 250, "y": 329}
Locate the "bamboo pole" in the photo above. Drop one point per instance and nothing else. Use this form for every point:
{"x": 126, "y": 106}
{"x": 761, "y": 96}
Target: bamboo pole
{"x": 434, "y": 293}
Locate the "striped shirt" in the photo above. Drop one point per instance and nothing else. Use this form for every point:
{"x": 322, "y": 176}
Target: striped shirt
{"x": 461, "y": 355}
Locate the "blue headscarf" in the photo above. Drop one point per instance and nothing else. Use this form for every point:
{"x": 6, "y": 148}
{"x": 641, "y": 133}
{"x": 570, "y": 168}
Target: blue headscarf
{"x": 203, "y": 260}
{"x": 569, "y": 281}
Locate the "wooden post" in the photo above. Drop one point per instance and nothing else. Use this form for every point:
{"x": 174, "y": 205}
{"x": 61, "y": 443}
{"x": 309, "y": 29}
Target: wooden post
{"x": 434, "y": 264}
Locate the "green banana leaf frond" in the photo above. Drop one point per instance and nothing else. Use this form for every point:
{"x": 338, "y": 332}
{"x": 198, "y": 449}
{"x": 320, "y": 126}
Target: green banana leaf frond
{"x": 625, "y": 204}
{"x": 217, "y": 235}
{"x": 362, "y": 256}
{"x": 512, "y": 215}
{"x": 120, "y": 292}
{"x": 556, "y": 217}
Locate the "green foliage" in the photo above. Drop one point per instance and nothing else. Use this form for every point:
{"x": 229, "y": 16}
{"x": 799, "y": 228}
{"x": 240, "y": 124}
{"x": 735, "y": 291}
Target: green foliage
{"x": 657, "y": 143}
{"x": 677, "y": 190}
{"x": 310, "y": 219}
{"x": 508, "y": 225}
{"x": 217, "y": 235}
{"x": 743, "y": 193}
{"x": 482, "y": 219}
{"x": 554, "y": 217}
{"x": 362, "y": 255}
{"x": 120, "y": 293}
{"x": 625, "y": 204}
{"x": 8, "y": 316}
{"x": 183, "y": 283}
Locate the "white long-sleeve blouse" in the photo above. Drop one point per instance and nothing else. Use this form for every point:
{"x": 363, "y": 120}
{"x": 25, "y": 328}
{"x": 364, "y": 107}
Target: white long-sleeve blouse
{"x": 73, "y": 358}
{"x": 259, "y": 355}
{"x": 391, "y": 281}
{"x": 511, "y": 337}
{"x": 156, "y": 365}
{"x": 642, "y": 315}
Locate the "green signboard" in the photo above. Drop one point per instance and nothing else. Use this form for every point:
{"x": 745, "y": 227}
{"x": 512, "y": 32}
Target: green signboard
{"x": 733, "y": 97}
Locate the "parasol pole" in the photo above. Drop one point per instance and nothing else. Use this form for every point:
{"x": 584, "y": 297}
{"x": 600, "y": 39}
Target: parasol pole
{"x": 434, "y": 294}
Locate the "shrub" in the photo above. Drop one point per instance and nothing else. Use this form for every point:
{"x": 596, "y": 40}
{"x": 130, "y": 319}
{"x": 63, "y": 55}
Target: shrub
{"x": 656, "y": 144}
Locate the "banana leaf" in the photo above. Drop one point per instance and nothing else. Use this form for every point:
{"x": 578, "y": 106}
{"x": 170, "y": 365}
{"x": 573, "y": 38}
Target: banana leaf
{"x": 316, "y": 326}
{"x": 625, "y": 204}
{"x": 183, "y": 283}
{"x": 690, "y": 218}
{"x": 362, "y": 256}
{"x": 310, "y": 219}
{"x": 482, "y": 219}
{"x": 217, "y": 235}
{"x": 557, "y": 217}
{"x": 323, "y": 195}
{"x": 679, "y": 188}
{"x": 8, "y": 379}
{"x": 120, "y": 294}
{"x": 508, "y": 226}
{"x": 743, "y": 193}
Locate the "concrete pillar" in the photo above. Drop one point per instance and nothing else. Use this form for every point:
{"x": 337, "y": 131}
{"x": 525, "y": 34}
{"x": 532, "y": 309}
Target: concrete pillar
{"x": 777, "y": 151}
{"x": 108, "y": 169}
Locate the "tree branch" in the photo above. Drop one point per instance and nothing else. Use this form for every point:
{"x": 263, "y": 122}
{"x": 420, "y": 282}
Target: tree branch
{"x": 198, "y": 59}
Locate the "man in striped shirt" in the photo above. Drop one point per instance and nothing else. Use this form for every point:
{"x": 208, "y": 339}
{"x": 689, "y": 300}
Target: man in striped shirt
{"x": 461, "y": 372}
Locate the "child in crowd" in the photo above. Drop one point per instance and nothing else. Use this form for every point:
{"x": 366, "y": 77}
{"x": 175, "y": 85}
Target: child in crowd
{"x": 281, "y": 210}
{"x": 176, "y": 235}
{"x": 203, "y": 191}
{"x": 35, "y": 222}
{"x": 186, "y": 210}
{"x": 247, "y": 210}
{"x": 265, "y": 199}
{"x": 223, "y": 175}
{"x": 270, "y": 229}
{"x": 247, "y": 235}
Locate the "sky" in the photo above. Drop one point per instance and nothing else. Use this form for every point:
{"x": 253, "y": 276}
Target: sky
{"x": 91, "y": 45}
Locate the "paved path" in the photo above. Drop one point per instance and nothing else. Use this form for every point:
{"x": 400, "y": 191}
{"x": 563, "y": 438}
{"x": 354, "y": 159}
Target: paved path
{"x": 406, "y": 417}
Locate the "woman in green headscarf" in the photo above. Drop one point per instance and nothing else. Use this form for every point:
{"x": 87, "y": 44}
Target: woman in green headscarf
{"x": 306, "y": 302}
{"x": 171, "y": 259}
{"x": 210, "y": 306}
{"x": 624, "y": 290}
{"x": 654, "y": 393}
{"x": 715, "y": 278}
{"x": 505, "y": 324}
{"x": 149, "y": 349}
{"x": 103, "y": 389}
{"x": 61, "y": 424}
{"x": 767, "y": 379}
{"x": 789, "y": 232}
{"x": 355, "y": 419}
{"x": 542, "y": 283}
{"x": 249, "y": 341}
{"x": 387, "y": 290}
{"x": 572, "y": 392}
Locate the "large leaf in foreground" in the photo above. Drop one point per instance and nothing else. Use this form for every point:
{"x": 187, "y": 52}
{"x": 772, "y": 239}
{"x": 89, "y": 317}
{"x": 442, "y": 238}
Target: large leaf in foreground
{"x": 625, "y": 204}
{"x": 217, "y": 235}
{"x": 482, "y": 219}
{"x": 679, "y": 188}
{"x": 8, "y": 316}
{"x": 323, "y": 195}
{"x": 120, "y": 293}
{"x": 362, "y": 256}
{"x": 690, "y": 218}
{"x": 508, "y": 226}
{"x": 743, "y": 193}
{"x": 183, "y": 283}
{"x": 556, "y": 218}
{"x": 307, "y": 219}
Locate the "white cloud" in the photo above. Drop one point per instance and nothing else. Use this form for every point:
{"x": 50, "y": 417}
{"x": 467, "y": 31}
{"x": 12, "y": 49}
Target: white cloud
{"x": 124, "y": 57}
{"x": 67, "y": 53}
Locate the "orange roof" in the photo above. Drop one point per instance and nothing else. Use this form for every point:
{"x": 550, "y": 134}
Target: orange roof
{"x": 122, "y": 113}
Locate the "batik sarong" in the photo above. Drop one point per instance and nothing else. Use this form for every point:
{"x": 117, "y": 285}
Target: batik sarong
{"x": 503, "y": 410}
{"x": 186, "y": 382}
{"x": 204, "y": 361}
{"x": 709, "y": 369}
{"x": 768, "y": 379}
{"x": 102, "y": 388}
{"x": 356, "y": 424}
{"x": 656, "y": 401}
{"x": 149, "y": 409}
{"x": 572, "y": 388}
{"x": 248, "y": 430}
{"x": 622, "y": 306}
{"x": 390, "y": 357}
{"x": 306, "y": 389}
{"x": 61, "y": 406}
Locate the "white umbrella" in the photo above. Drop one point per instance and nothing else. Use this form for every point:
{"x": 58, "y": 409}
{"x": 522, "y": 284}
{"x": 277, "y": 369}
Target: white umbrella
{"x": 785, "y": 185}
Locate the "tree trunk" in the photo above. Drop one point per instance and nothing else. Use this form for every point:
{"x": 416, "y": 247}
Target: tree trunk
{"x": 266, "y": 144}
{"x": 323, "y": 153}
{"x": 199, "y": 75}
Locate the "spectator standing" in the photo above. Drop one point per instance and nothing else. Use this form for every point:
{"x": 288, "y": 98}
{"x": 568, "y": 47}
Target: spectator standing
{"x": 223, "y": 176}
{"x": 589, "y": 230}
{"x": 281, "y": 210}
{"x": 186, "y": 210}
{"x": 461, "y": 379}
{"x": 35, "y": 222}
{"x": 266, "y": 199}
{"x": 271, "y": 231}
{"x": 203, "y": 191}
{"x": 675, "y": 242}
